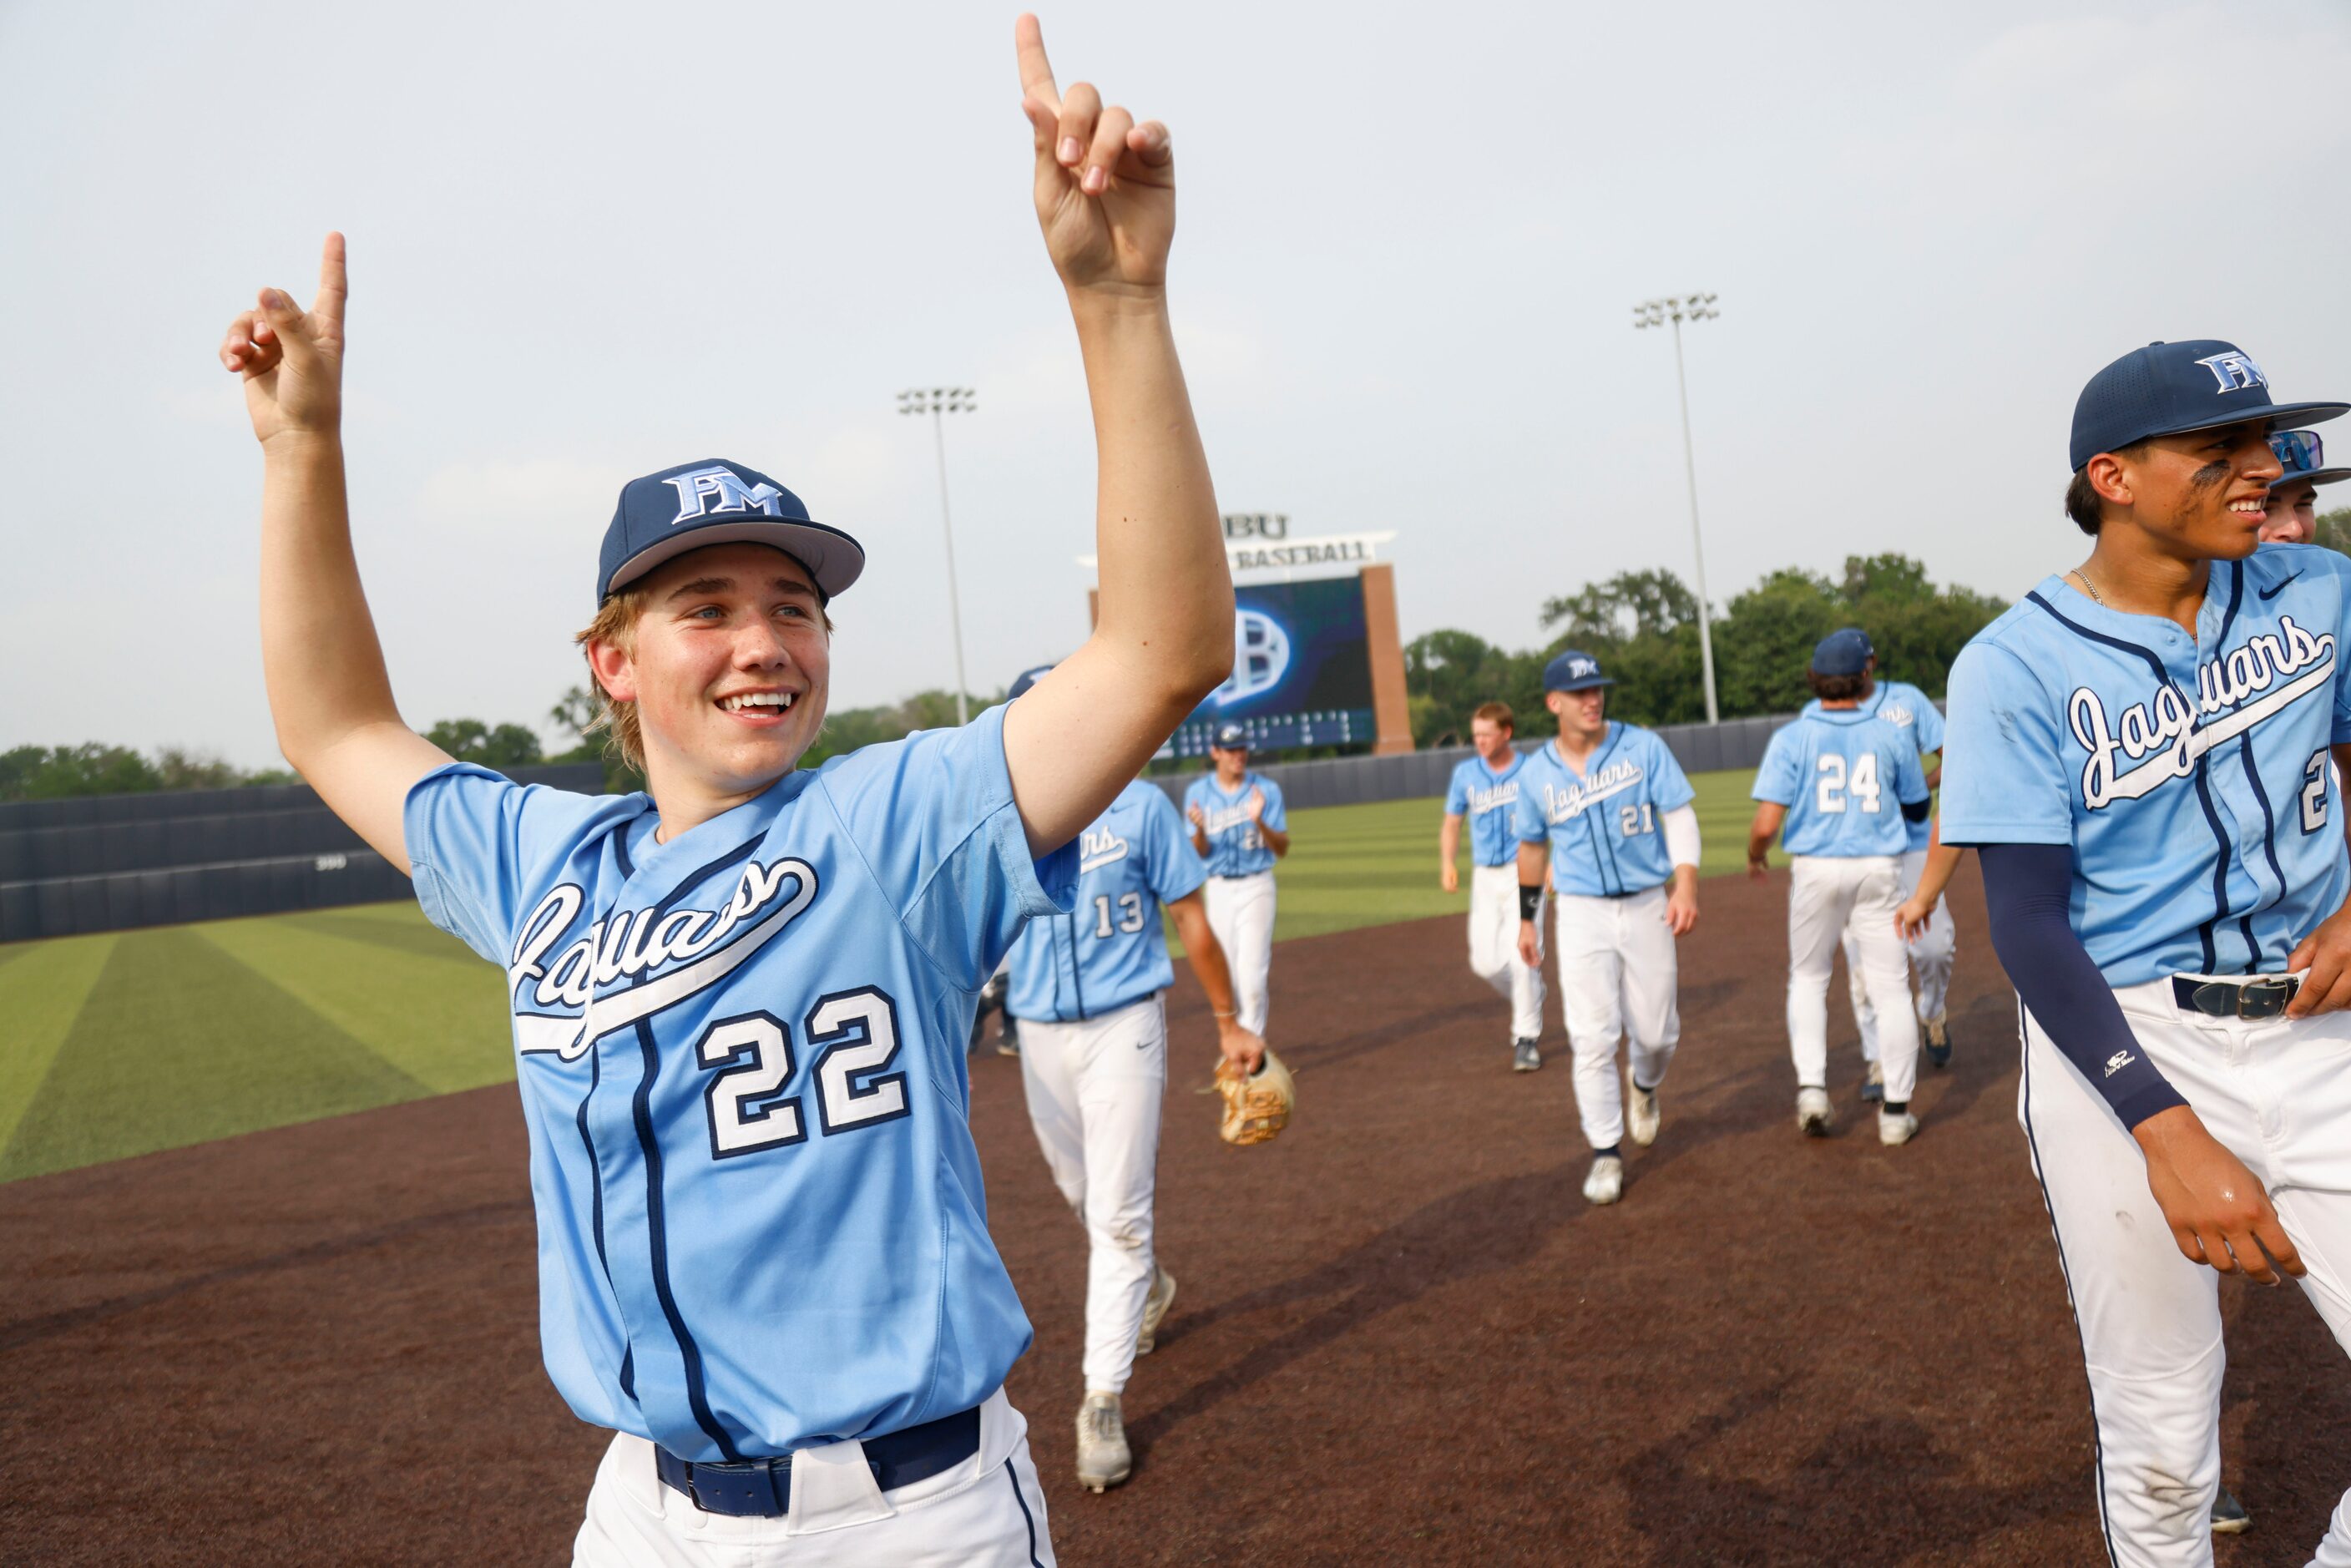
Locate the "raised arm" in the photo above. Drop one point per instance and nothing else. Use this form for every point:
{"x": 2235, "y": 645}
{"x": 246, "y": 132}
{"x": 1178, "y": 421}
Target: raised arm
{"x": 329, "y": 694}
{"x": 1105, "y": 193}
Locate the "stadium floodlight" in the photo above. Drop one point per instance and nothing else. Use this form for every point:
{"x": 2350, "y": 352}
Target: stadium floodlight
{"x": 938, "y": 402}
{"x": 1672, "y": 309}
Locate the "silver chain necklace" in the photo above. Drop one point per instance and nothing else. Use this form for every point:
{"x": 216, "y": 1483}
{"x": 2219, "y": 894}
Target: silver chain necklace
{"x": 2091, "y": 587}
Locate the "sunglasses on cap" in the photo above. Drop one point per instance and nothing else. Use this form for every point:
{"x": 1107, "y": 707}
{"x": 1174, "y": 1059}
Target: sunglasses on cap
{"x": 2299, "y": 451}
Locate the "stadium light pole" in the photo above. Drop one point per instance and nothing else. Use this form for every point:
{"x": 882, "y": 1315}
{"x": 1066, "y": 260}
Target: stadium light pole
{"x": 938, "y": 402}
{"x": 1672, "y": 309}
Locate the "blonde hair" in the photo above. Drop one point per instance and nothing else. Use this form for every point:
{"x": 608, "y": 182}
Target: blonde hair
{"x": 616, "y": 623}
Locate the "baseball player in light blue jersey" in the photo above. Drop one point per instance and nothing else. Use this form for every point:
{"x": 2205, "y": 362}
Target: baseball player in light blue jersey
{"x": 1087, "y": 985}
{"x": 2139, "y": 753}
{"x": 1240, "y": 828}
{"x": 740, "y": 1000}
{"x": 1905, "y": 708}
{"x": 1605, "y": 811}
{"x": 1485, "y": 794}
{"x": 1845, "y": 785}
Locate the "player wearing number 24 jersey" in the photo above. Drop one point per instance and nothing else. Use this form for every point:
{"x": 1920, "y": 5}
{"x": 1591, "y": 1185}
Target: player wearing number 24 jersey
{"x": 1845, "y": 785}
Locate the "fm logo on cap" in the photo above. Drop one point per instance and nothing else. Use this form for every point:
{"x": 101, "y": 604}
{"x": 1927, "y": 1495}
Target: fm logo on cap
{"x": 697, "y": 487}
{"x": 1578, "y": 668}
{"x": 2234, "y": 370}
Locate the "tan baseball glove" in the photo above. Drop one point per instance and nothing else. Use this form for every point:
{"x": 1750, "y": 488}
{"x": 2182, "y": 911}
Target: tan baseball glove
{"x": 1257, "y": 1105}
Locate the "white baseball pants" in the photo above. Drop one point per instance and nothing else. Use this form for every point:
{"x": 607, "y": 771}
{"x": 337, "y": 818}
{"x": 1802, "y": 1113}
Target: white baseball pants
{"x": 2277, "y": 1095}
{"x": 1931, "y": 961}
{"x": 1095, "y": 1093}
{"x": 1828, "y": 897}
{"x": 989, "y": 1510}
{"x": 1618, "y": 976}
{"x": 1494, "y": 946}
{"x": 1240, "y": 913}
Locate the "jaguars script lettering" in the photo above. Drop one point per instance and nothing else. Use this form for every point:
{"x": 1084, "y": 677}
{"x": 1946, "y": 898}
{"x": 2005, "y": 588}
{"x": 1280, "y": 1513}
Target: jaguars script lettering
{"x": 2163, "y": 739}
{"x": 1566, "y": 805}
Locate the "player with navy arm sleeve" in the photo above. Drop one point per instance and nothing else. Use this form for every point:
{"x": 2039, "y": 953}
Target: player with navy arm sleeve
{"x": 1843, "y": 784}
{"x": 1087, "y": 988}
{"x": 740, "y": 999}
{"x": 1241, "y": 827}
{"x": 1484, "y": 793}
{"x": 1604, "y": 810}
{"x": 2139, "y": 754}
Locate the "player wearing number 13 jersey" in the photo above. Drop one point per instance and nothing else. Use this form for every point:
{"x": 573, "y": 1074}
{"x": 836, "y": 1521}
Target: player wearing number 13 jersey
{"x": 1845, "y": 784}
{"x": 1087, "y": 987}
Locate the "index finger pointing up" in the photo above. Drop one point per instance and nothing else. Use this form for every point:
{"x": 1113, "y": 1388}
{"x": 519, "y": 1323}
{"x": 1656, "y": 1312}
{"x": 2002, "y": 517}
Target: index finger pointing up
{"x": 334, "y": 285}
{"x": 1036, "y": 70}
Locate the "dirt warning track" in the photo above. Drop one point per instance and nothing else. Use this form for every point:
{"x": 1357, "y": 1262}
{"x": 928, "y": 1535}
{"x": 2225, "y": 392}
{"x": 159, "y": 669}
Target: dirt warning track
{"x": 1401, "y": 1337}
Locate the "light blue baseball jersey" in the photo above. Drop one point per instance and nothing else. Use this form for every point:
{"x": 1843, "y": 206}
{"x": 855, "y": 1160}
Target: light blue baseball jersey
{"x": 1905, "y": 706}
{"x": 1603, "y": 823}
{"x": 1845, "y": 775}
{"x": 1234, "y": 847}
{"x": 1491, "y": 801}
{"x": 2188, "y": 773}
{"x": 761, "y": 1222}
{"x": 1108, "y": 950}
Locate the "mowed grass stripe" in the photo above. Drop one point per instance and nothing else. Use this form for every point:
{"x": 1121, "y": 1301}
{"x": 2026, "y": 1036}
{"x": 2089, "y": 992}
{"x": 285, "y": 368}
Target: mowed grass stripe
{"x": 434, "y": 1012}
{"x": 178, "y": 1043}
{"x": 42, "y": 987}
{"x": 416, "y": 936}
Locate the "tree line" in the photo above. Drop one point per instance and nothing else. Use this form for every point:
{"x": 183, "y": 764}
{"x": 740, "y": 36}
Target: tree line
{"x": 1643, "y": 628}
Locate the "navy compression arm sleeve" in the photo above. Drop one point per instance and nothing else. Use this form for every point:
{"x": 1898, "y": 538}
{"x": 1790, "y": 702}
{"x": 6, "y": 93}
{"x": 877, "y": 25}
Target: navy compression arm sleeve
{"x": 2028, "y": 891}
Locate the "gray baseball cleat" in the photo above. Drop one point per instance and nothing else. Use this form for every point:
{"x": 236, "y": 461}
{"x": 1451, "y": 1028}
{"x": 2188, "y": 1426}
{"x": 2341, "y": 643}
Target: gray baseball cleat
{"x": 1606, "y": 1182}
{"x": 1937, "y": 1037}
{"x": 1104, "y": 1458}
{"x": 1873, "y": 1085}
{"x": 1154, "y": 1309}
{"x": 1524, "y": 1056}
{"x": 1813, "y": 1115}
{"x": 1641, "y": 1117}
{"x": 2228, "y": 1515}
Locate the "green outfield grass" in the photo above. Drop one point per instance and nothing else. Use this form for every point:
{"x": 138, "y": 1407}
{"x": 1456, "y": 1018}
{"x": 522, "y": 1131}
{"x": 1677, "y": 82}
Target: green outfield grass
{"x": 124, "y": 1043}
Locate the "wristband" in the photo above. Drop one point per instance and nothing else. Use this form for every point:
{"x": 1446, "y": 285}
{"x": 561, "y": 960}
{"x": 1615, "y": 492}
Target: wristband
{"x": 1530, "y": 901}
{"x": 1234, "y": 1014}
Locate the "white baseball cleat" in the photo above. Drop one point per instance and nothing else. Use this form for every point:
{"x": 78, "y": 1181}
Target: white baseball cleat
{"x": 1894, "y": 1129}
{"x": 1606, "y": 1182}
{"x": 1813, "y": 1115}
{"x": 1104, "y": 1458}
{"x": 1642, "y": 1116}
{"x": 1155, "y": 1309}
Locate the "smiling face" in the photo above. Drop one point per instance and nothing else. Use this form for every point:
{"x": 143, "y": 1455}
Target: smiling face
{"x": 727, "y": 667}
{"x": 1231, "y": 761}
{"x": 2201, "y": 495}
{"x": 2291, "y": 515}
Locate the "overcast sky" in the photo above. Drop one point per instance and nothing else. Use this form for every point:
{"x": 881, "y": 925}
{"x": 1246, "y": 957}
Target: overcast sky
{"x": 589, "y": 241}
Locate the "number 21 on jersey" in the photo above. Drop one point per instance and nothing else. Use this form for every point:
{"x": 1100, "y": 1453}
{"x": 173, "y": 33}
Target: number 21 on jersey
{"x": 1836, "y": 784}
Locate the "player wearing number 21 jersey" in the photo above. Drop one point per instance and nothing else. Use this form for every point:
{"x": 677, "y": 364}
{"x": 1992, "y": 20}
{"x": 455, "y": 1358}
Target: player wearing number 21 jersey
{"x": 1845, "y": 785}
{"x": 1608, "y": 808}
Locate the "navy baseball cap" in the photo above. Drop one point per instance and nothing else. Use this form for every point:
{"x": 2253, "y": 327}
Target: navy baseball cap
{"x": 714, "y": 502}
{"x": 1231, "y": 736}
{"x": 2169, "y": 388}
{"x": 1845, "y": 653}
{"x": 1026, "y": 678}
{"x": 1868, "y": 648}
{"x": 2302, "y": 455}
{"x": 1574, "y": 672}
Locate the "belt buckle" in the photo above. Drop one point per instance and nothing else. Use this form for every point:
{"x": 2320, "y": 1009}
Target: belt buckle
{"x": 2264, "y": 998}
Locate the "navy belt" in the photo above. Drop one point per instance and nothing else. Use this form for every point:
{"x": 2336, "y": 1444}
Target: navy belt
{"x": 2254, "y": 997}
{"x": 762, "y": 1488}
